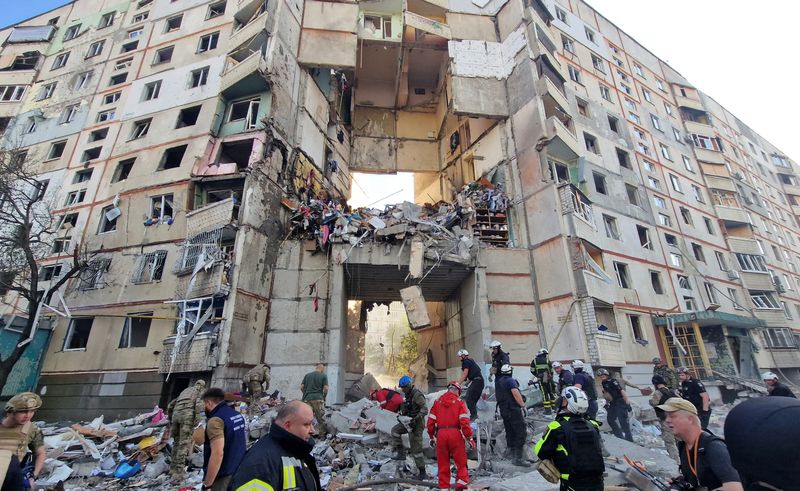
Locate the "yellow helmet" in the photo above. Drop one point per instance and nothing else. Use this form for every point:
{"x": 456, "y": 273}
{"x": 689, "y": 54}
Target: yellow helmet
{"x": 25, "y": 401}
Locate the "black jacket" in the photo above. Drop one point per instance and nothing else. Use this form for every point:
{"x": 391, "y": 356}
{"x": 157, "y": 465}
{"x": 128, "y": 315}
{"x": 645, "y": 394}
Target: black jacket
{"x": 781, "y": 390}
{"x": 274, "y": 457}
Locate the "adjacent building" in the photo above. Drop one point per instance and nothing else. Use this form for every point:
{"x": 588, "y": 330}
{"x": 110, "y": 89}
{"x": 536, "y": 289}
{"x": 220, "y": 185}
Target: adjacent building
{"x": 644, "y": 219}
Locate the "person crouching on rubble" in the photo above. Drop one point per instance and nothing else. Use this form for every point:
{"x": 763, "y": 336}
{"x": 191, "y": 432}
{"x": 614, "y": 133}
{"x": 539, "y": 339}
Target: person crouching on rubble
{"x": 24, "y": 439}
{"x": 413, "y": 411}
{"x": 282, "y": 459}
{"x": 572, "y": 443}
{"x": 448, "y": 426}
{"x": 183, "y": 413}
{"x": 387, "y": 399}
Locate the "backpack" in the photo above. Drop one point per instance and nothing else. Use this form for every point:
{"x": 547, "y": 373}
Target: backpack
{"x": 585, "y": 456}
{"x": 666, "y": 393}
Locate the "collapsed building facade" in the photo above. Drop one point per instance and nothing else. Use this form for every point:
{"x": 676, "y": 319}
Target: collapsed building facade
{"x": 179, "y": 140}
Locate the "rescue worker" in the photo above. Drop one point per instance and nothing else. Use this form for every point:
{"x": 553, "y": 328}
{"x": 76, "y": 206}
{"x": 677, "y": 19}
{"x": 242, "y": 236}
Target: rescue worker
{"x": 414, "y": 409}
{"x": 315, "y": 391}
{"x": 257, "y": 381}
{"x": 585, "y": 382}
{"x": 183, "y": 412}
{"x": 499, "y": 358}
{"x": 618, "y": 405}
{"x": 572, "y": 442}
{"x": 565, "y": 378}
{"x": 660, "y": 396}
{"x": 448, "y": 426}
{"x": 24, "y": 439}
{"x": 387, "y": 399}
{"x": 705, "y": 462}
{"x": 282, "y": 459}
{"x": 541, "y": 368}
{"x": 470, "y": 371}
{"x": 225, "y": 441}
{"x": 661, "y": 369}
{"x": 512, "y": 407}
{"x": 694, "y": 391}
{"x": 774, "y": 387}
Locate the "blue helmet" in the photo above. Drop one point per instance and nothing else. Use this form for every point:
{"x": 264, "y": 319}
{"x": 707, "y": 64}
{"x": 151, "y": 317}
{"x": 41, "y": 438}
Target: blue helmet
{"x": 405, "y": 381}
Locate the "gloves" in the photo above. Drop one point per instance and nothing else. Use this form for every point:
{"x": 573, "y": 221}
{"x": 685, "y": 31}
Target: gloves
{"x": 472, "y": 444}
{"x": 433, "y": 440}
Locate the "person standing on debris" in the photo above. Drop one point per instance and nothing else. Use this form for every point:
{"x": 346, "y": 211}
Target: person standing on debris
{"x": 774, "y": 387}
{"x": 585, "y": 382}
{"x": 182, "y": 413}
{"x": 572, "y": 442}
{"x": 315, "y": 391}
{"x": 472, "y": 372}
{"x": 448, "y": 426}
{"x": 694, "y": 391}
{"x": 387, "y": 399}
{"x": 257, "y": 381}
{"x": 662, "y": 370}
{"x": 705, "y": 461}
{"x": 282, "y": 459}
{"x": 413, "y": 412}
{"x": 618, "y": 406}
{"x": 512, "y": 408}
{"x": 660, "y": 396}
{"x": 565, "y": 378}
{"x": 225, "y": 440}
{"x": 541, "y": 368}
{"x": 499, "y": 358}
{"x": 19, "y": 435}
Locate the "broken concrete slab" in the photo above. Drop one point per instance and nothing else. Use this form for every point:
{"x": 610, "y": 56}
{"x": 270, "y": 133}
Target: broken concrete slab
{"x": 415, "y": 306}
{"x": 417, "y": 261}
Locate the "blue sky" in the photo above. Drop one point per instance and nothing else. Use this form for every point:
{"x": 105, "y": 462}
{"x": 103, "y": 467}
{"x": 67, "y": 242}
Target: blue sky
{"x": 13, "y": 11}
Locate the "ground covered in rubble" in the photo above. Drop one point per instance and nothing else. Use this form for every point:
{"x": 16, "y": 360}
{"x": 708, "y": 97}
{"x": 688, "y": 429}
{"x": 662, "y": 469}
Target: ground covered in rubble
{"x": 93, "y": 455}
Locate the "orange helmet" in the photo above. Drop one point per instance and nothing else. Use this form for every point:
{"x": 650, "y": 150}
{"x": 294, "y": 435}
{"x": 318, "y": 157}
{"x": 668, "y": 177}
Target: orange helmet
{"x": 454, "y": 384}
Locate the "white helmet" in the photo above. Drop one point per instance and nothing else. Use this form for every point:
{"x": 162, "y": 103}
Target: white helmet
{"x": 494, "y": 344}
{"x": 577, "y": 402}
{"x": 543, "y": 351}
{"x": 506, "y": 369}
{"x": 463, "y": 352}
{"x": 768, "y": 376}
{"x": 577, "y": 364}
{"x": 556, "y": 364}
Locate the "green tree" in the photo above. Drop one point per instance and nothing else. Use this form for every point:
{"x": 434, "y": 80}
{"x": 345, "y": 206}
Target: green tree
{"x": 408, "y": 353}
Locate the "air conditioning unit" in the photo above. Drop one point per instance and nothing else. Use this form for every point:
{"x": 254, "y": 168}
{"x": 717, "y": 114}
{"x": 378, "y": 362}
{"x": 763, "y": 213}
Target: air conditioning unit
{"x": 778, "y": 285}
{"x": 732, "y": 274}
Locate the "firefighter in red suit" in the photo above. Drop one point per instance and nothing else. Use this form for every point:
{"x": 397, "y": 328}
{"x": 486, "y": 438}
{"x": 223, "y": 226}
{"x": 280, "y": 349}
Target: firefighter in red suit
{"x": 448, "y": 426}
{"x": 388, "y": 399}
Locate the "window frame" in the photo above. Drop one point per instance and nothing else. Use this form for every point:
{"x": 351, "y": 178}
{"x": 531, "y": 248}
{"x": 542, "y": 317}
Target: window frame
{"x": 71, "y": 332}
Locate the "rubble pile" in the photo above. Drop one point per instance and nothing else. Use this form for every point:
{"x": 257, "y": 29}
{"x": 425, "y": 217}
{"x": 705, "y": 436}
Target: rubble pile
{"x": 477, "y": 214}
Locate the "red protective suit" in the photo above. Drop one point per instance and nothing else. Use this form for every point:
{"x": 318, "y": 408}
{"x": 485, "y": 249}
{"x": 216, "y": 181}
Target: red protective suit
{"x": 389, "y": 400}
{"x": 448, "y": 422}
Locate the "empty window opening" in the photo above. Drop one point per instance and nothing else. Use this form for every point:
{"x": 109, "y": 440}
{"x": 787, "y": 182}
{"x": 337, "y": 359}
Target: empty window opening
{"x": 173, "y": 23}
{"x": 56, "y": 150}
{"x": 636, "y": 327}
{"x": 188, "y": 116}
{"x": 644, "y": 237}
{"x": 47, "y": 273}
{"x": 163, "y": 55}
{"x": 108, "y": 219}
{"x": 140, "y": 128}
{"x": 172, "y": 157}
{"x": 236, "y": 152}
{"x": 120, "y": 78}
{"x": 599, "y": 183}
{"x": 123, "y": 170}
{"x": 655, "y": 280}
{"x": 82, "y": 176}
{"x": 77, "y": 337}
{"x": 98, "y": 135}
{"x": 91, "y": 154}
{"x": 247, "y": 111}
{"x": 215, "y": 10}
{"x": 135, "y": 330}
{"x": 623, "y": 279}
{"x": 75, "y": 197}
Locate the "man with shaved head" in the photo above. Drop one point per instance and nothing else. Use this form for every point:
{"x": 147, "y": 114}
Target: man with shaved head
{"x": 282, "y": 459}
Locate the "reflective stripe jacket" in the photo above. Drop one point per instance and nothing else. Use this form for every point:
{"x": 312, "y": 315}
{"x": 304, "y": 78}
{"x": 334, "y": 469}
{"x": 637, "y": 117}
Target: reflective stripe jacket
{"x": 552, "y": 445}
{"x": 277, "y": 462}
{"x": 449, "y": 412}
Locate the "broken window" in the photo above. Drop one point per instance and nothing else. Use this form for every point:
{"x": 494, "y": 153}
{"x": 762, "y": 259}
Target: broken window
{"x": 108, "y": 115}
{"x": 215, "y": 191}
{"x": 208, "y": 42}
{"x": 623, "y": 279}
{"x": 215, "y": 10}
{"x": 140, "y": 128}
{"x": 188, "y": 116}
{"x": 98, "y": 135}
{"x": 644, "y": 237}
{"x": 72, "y": 32}
{"x": 655, "y": 280}
{"x": 779, "y": 337}
{"x": 140, "y": 17}
{"x": 697, "y": 250}
{"x": 68, "y": 221}
{"x": 683, "y": 282}
{"x": 599, "y": 183}
{"x": 633, "y": 194}
{"x": 172, "y": 157}
{"x": 78, "y": 332}
{"x": 75, "y": 197}
{"x": 237, "y": 152}
{"x": 248, "y": 14}
{"x": 26, "y": 61}
{"x": 200, "y": 315}
{"x": 31, "y": 126}
{"x": 128, "y": 47}
{"x": 91, "y": 154}
{"x": 47, "y": 273}
{"x": 246, "y": 110}
{"x": 108, "y": 219}
{"x": 107, "y": 20}
{"x": 574, "y": 73}
{"x": 610, "y": 224}
{"x": 764, "y": 299}
{"x": 56, "y": 150}
{"x": 591, "y": 143}
{"x": 558, "y": 172}
{"x": 11, "y": 93}
{"x": 151, "y": 90}
{"x": 47, "y": 91}
{"x": 94, "y": 275}
{"x": 61, "y": 245}
{"x": 163, "y": 55}
{"x": 198, "y": 77}
{"x": 123, "y": 170}
{"x": 173, "y": 23}
{"x": 82, "y": 176}
{"x": 161, "y": 208}
{"x": 120, "y": 78}
{"x": 60, "y": 61}
{"x": 149, "y": 267}
{"x": 636, "y": 327}
{"x": 83, "y": 80}
{"x": 95, "y": 48}
{"x": 378, "y": 26}
{"x": 135, "y": 330}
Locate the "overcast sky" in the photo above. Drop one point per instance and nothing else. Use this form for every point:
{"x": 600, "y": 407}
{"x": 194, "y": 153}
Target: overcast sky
{"x": 742, "y": 54}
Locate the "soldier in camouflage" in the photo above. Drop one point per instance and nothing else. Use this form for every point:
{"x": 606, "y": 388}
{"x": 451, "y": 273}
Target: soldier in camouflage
{"x": 183, "y": 413}
{"x": 19, "y": 435}
{"x": 662, "y": 370}
{"x": 414, "y": 408}
{"x": 257, "y": 381}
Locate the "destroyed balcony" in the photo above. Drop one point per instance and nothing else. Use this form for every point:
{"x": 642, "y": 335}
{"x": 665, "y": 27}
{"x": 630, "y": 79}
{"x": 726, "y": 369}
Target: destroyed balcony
{"x": 213, "y": 216}
{"x": 544, "y": 45}
{"x": 690, "y": 103}
{"x": 199, "y": 356}
{"x": 600, "y": 287}
{"x": 562, "y": 142}
{"x": 576, "y": 203}
{"x": 381, "y": 26}
{"x": 545, "y": 87}
{"x": 249, "y": 21}
{"x": 245, "y": 69}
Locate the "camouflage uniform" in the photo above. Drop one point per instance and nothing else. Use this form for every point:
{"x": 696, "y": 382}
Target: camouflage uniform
{"x": 183, "y": 418}
{"x": 668, "y": 375}
{"x": 253, "y": 379}
{"x": 416, "y": 408}
{"x": 659, "y": 397}
{"x": 26, "y": 439}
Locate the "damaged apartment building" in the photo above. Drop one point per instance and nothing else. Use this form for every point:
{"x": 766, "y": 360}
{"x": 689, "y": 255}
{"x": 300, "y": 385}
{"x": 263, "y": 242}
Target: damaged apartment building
{"x": 181, "y": 139}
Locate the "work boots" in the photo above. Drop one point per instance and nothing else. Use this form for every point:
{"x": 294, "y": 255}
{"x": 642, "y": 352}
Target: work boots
{"x": 423, "y": 475}
{"x": 400, "y": 454}
{"x": 516, "y": 458}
